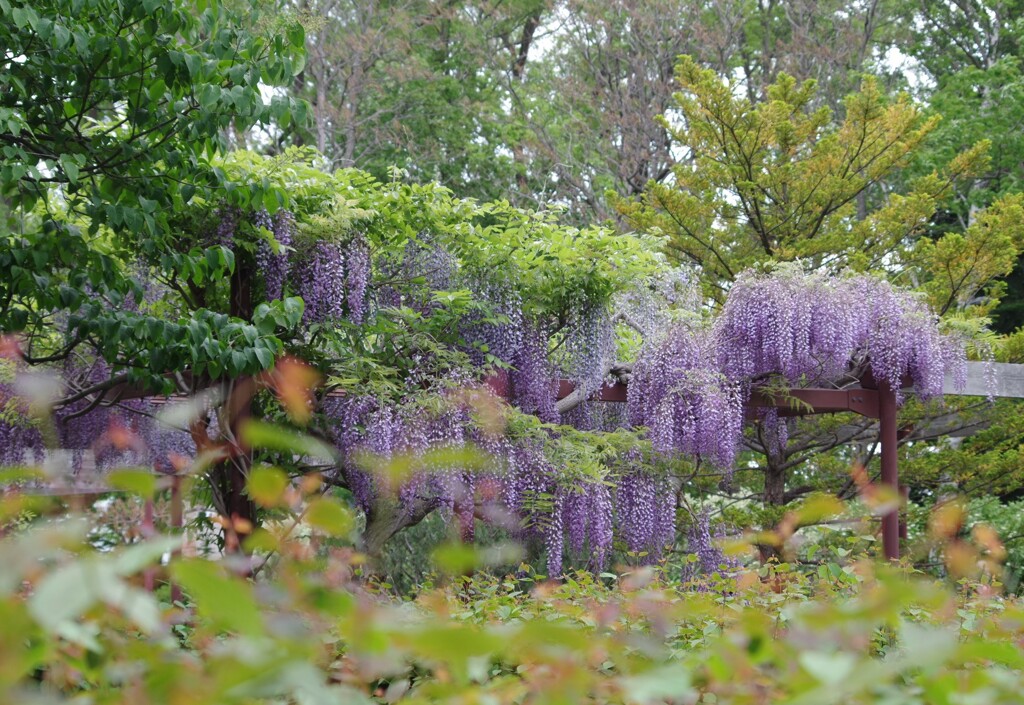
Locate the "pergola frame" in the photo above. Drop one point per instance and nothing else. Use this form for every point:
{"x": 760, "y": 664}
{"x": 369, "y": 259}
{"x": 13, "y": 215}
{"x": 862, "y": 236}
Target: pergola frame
{"x": 877, "y": 403}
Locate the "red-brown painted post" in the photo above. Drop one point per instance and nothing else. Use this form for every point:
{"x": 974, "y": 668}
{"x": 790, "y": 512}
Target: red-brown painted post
{"x": 890, "y": 470}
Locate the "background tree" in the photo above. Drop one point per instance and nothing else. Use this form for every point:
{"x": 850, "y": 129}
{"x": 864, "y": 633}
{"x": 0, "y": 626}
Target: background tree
{"x": 419, "y": 85}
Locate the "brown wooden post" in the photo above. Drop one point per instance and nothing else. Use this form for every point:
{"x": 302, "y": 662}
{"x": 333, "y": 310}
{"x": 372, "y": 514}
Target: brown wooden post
{"x": 890, "y": 470}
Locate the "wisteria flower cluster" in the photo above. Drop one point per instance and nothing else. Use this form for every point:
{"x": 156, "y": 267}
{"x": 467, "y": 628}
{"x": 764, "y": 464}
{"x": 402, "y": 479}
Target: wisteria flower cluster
{"x": 320, "y": 281}
{"x": 687, "y": 405}
{"x": 710, "y": 556}
{"x": 88, "y": 437}
{"x": 518, "y": 486}
{"x": 333, "y": 278}
{"x": 275, "y": 266}
{"x": 689, "y": 388}
{"x": 588, "y": 347}
{"x": 534, "y": 382}
{"x": 814, "y": 329}
{"x": 645, "y": 512}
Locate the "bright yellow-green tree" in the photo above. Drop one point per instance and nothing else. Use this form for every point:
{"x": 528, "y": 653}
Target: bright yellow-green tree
{"x": 782, "y": 180}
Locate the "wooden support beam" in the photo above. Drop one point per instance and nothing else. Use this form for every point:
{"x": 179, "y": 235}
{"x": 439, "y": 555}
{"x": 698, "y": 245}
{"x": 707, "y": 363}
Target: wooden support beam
{"x": 800, "y": 402}
{"x": 610, "y": 391}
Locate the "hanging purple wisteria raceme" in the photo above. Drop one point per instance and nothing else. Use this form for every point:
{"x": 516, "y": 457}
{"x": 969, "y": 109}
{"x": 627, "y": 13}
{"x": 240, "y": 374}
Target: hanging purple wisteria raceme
{"x": 645, "y": 512}
{"x": 274, "y": 266}
{"x": 320, "y": 281}
{"x": 589, "y": 348}
{"x": 84, "y": 438}
{"x": 534, "y": 383}
{"x": 687, "y": 405}
{"x": 333, "y": 280}
{"x": 227, "y": 223}
{"x": 814, "y": 329}
{"x": 529, "y": 495}
{"x": 689, "y": 387}
{"x": 710, "y": 556}
{"x": 357, "y": 278}
{"x": 20, "y": 438}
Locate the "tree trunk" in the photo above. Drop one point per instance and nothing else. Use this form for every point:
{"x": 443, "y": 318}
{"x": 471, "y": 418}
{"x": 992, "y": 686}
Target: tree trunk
{"x": 229, "y": 476}
{"x": 518, "y": 75}
{"x": 774, "y": 496}
{"x": 385, "y": 518}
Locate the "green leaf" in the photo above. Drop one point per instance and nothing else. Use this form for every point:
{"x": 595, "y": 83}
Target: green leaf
{"x": 259, "y": 434}
{"x": 138, "y": 482}
{"x": 830, "y": 669}
{"x": 670, "y": 682}
{"x": 226, "y": 602}
{"x": 67, "y": 593}
{"x": 330, "y": 517}
{"x": 67, "y": 163}
{"x": 267, "y": 485}
{"x": 271, "y": 201}
{"x": 264, "y": 357}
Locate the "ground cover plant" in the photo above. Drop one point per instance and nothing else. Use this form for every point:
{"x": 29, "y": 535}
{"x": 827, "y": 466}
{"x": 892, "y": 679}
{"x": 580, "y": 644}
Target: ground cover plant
{"x": 78, "y": 628}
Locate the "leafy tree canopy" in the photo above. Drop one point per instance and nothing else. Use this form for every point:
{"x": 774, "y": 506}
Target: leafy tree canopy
{"x": 110, "y": 112}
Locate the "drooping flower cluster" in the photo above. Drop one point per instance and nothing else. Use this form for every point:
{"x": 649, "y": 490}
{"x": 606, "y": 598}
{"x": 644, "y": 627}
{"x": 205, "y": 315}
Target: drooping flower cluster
{"x": 20, "y": 439}
{"x": 500, "y": 336}
{"x": 593, "y": 415}
{"x": 85, "y": 438}
{"x": 534, "y": 383}
{"x": 687, "y": 405}
{"x": 274, "y": 266}
{"x": 690, "y": 387}
{"x": 320, "y": 279}
{"x": 332, "y": 275}
{"x": 710, "y": 556}
{"x": 357, "y": 278}
{"x": 410, "y": 278}
{"x": 774, "y": 430}
{"x": 645, "y": 512}
{"x": 814, "y": 329}
{"x": 375, "y": 437}
{"x": 394, "y": 451}
{"x": 589, "y": 348}
{"x": 227, "y": 223}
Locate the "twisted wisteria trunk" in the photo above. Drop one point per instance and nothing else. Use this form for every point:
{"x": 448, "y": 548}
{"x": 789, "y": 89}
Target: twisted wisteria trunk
{"x": 386, "y": 516}
{"x": 228, "y": 477}
{"x": 774, "y": 496}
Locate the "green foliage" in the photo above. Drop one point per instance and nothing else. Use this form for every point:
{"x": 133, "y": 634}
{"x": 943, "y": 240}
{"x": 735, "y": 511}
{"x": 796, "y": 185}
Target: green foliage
{"x": 118, "y": 102}
{"x": 306, "y": 631}
{"x": 780, "y": 179}
{"x": 988, "y": 462}
{"x": 1007, "y": 518}
{"x": 109, "y": 116}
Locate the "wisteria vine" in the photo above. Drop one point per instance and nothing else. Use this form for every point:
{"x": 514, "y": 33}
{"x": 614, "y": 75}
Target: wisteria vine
{"x": 690, "y": 387}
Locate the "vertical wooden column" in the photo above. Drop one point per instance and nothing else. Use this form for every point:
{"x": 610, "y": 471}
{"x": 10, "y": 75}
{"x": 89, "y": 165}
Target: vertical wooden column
{"x": 890, "y": 470}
